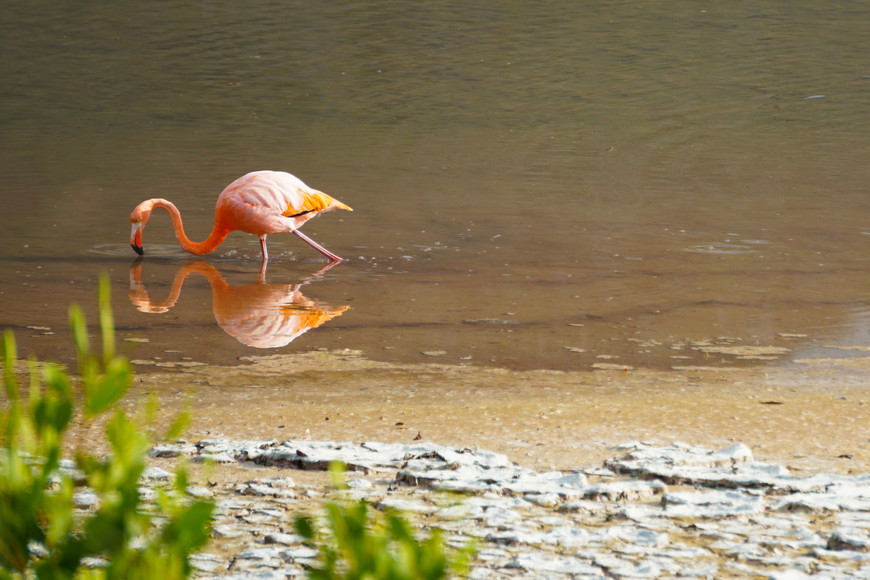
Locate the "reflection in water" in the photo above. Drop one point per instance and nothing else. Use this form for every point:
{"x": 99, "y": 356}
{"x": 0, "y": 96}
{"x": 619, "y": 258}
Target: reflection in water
{"x": 260, "y": 315}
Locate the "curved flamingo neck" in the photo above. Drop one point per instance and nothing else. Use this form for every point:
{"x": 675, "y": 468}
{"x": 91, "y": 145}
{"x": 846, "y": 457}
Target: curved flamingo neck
{"x": 218, "y": 233}
{"x": 139, "y": 295}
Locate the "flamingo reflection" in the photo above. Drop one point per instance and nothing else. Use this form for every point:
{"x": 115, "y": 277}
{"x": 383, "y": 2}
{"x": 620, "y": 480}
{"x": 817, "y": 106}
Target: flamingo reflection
{"x": 260, "y": 315}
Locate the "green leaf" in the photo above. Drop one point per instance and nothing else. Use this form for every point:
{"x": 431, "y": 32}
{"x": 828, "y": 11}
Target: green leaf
{"x": 129, "y": 444}
{"x": 365, "y": 544}
{"x": 190, "y": 530}
{"x": 182, "y": 421}
{"x": 304, "y": 526}
{"x": 336, "y": 475}
{"x": 57, "y": 380}
{"x": 35, "y": 384}
{"x": 54, "y": 410}
{"x": 10, "y": 356}
{"x": 59, "y": 513}
{"x": 79, "y": 330}
{"x": 107, "y": 325}
{"x": 181, "y": 480}
{"x": 103, "y": 392}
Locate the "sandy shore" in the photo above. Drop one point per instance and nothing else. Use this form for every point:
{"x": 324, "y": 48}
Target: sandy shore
{"x": 805, "y": 423}
{"x": 807, "y": 415}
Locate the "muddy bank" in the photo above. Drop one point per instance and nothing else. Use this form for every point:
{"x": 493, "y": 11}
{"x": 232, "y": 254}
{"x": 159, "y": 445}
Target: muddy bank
{"x": 809, "y": 415}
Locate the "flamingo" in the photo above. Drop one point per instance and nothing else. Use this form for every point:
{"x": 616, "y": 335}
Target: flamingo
{"x": 259, "y": 203}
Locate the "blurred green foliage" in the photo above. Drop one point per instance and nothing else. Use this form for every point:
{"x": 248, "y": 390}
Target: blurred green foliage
{"x": 357, "y": 543}
{"x": 42, "y": 532}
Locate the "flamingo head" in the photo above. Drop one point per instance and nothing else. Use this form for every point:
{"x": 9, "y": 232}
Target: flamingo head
{"x": 139, "y": 218}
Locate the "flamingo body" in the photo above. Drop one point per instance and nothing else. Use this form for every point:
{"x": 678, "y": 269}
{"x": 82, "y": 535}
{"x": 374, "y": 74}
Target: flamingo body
{"x": 259, "y": 203}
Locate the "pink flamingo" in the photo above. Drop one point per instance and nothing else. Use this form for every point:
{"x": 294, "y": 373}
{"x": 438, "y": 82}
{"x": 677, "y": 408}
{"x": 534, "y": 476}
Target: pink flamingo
{"x": 259, "y": 203}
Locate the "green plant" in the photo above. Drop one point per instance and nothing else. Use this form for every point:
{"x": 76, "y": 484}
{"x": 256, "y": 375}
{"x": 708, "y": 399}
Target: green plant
{"x": 42, "y": 533}
{"x": 360, "y": 543}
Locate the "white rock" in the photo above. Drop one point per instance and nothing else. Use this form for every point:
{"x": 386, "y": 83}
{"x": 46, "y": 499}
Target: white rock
{"x": 94, "y": 562}
{"x": 462, "y": 510}
{"x": 517, "y": 536}
{"x": 806, "y": 502}
{"x": 849, "y": 539}
{"x": 544, "y": 499}
{"x": 679, "y": 454}
{"x": 582, "y": 505}
{"x": 711, "y": 504}
{"x": 86, "y": 499}
{"x": 840, "y": 556}
{"x": 543, "y": 563}
{"x": 625, "y": 490}
{"x": 263, "y": 574}
{"x": 631, "y": 534}
{"x": 404, "y": 505}
{"x": 282, "y": 539}
{"x": 228, "y": 531}
{"x": 260, "y": 519}
{"x": 359, "y": 483}
{"x": 217, "y": 458}
{"x": 171, "y": 450}
{"x": 789, "y": 575}
{"x": 295, "y": 553}
{"x": 199, "y": 492}
{"x": 568, "y": 536}
{"x": 156, "y": 473}
{"x": 206, "y": 562}
{"x": 619, "y": 568}
{"x": 260, "y": 555}
{"x": 256, "y": 489}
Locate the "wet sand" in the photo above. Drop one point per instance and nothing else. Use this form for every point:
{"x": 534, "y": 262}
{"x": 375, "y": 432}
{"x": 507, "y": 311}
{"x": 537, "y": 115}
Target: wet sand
{"x": 810, "y": 415}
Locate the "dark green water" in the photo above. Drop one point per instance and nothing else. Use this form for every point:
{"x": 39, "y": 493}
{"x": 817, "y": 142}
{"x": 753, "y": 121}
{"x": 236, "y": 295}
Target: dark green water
{"x": 529, "y": 180}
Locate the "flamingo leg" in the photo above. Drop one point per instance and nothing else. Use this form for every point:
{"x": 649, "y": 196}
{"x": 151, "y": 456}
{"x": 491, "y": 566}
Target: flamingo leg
{"x": 317, "y": 246}
{"x": 264, "y": 249}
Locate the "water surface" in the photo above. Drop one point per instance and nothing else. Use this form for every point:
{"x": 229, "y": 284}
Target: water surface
{"x": 553, "y": 185}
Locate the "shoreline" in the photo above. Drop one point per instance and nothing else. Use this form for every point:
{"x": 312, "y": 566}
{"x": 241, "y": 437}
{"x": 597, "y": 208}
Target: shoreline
{"x": 563, "y": 474}
{"x": 809, "y": 416}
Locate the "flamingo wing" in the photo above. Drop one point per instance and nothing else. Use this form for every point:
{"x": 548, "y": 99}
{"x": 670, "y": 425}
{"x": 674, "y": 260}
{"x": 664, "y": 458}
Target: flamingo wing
{"x": 268, "y": 202}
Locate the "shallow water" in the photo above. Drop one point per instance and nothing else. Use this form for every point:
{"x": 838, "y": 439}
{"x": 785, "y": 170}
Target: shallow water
{"x": 535, "y": 186}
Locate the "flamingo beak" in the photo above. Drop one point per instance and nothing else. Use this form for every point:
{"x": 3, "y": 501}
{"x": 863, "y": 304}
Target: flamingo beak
{"x": 136, "y": 238}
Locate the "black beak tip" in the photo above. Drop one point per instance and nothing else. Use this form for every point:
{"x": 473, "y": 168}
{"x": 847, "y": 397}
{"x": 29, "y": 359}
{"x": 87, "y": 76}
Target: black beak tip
{"x": 138, "y": 249}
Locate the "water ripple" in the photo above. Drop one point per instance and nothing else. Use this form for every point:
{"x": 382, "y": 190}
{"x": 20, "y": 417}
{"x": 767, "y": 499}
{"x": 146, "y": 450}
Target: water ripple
{"x": 720, "y": 248}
